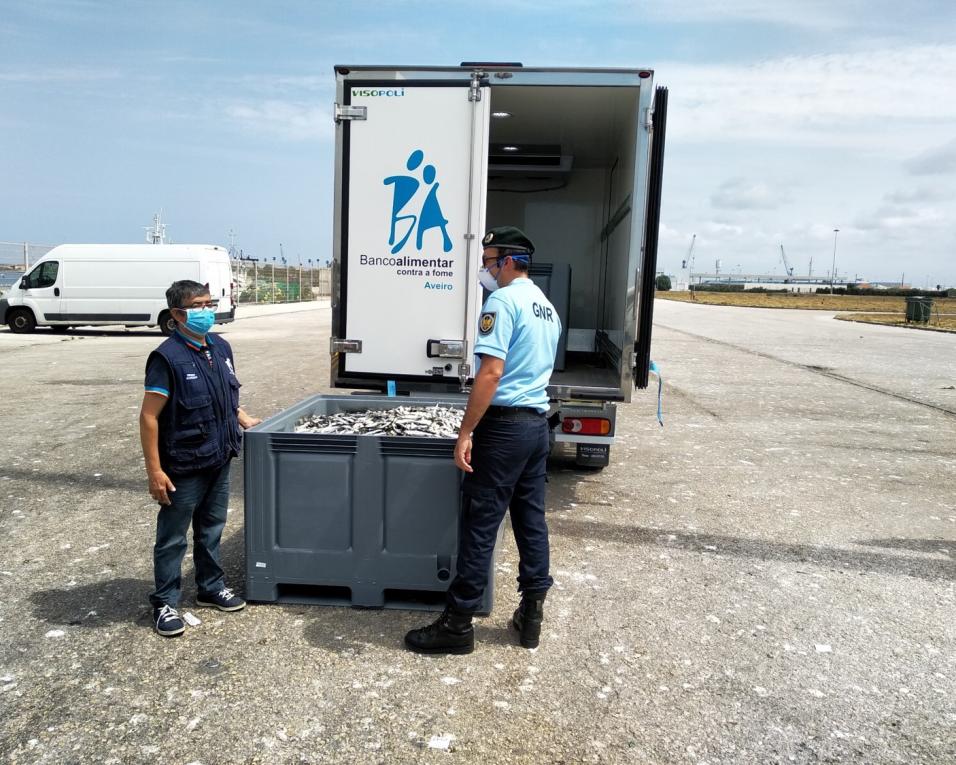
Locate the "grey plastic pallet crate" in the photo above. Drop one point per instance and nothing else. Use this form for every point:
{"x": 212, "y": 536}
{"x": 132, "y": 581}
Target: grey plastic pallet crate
{"x": 366, "y": 521}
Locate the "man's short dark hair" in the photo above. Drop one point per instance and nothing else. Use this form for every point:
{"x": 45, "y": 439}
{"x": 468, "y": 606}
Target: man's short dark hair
{"x": 182, "y": 292}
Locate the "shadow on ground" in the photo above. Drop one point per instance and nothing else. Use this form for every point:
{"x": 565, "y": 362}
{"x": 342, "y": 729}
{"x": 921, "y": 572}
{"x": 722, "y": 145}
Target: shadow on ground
{"x": 834, "y": 558}
{"x": 940, "y": 546}
{"x": 95, "y": 605}
{"x": 125, "y": 599}
{"x": 63, "y": 478}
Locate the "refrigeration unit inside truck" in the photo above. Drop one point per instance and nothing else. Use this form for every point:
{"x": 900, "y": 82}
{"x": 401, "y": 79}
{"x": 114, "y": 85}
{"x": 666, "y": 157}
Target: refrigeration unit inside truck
{"x": 429, "y": 158}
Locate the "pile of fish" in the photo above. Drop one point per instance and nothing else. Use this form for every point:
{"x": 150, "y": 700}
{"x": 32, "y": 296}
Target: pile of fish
{"x": 431, "y": 422}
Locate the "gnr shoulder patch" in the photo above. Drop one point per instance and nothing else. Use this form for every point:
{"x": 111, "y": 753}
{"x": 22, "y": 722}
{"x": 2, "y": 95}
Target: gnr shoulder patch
{"x": 487, "y": 322}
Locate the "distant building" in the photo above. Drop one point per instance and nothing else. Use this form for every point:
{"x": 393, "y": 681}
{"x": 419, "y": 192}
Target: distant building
{"x": 763, "y": 281}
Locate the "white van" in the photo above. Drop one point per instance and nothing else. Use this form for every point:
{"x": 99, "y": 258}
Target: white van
{"x": 99, "y": 284}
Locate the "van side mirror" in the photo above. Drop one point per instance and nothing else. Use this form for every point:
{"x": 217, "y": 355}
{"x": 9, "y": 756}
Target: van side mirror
{"x": 23, "y": 284}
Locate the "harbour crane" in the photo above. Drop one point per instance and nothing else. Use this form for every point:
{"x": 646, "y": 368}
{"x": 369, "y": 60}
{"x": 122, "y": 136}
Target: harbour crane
{"x": 786, "y": 263}
{"x": 689, "y": 260}
{"x": 689, "y": 265}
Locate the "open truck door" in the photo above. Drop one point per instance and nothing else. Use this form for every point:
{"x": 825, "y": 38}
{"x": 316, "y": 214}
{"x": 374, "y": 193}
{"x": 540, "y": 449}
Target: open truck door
{"x": 411, "y": 174}
{"x": 648, "y": 284}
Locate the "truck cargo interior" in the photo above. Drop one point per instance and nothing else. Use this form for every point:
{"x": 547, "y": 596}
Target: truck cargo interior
{"x": 561, "y": 167}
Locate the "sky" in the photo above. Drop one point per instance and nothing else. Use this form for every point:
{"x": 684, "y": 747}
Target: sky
{"x": 787, "y": 118}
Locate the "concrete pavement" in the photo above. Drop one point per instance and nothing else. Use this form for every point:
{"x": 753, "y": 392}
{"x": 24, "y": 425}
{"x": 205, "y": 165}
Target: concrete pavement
{"x": 768, "y": 579}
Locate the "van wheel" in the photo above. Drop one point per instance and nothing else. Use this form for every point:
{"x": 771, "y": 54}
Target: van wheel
{"x": 21, "y": 321}
{"x": 167, "y": 324}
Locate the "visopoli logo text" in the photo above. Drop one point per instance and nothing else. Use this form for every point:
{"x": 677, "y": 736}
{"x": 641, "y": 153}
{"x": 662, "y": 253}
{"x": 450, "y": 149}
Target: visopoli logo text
{"x": 378, "y": 92}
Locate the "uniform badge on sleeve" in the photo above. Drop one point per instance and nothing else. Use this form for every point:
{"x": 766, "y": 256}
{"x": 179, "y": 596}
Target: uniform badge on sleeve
{"x": 487, "y": 322}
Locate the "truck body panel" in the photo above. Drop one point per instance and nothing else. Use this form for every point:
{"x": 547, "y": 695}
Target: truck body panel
{"x": 564, "y": 154}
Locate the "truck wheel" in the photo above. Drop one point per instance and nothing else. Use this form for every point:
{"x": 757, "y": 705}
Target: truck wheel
{"x": 21, "y": 321}
{"x": 167, "y": 324}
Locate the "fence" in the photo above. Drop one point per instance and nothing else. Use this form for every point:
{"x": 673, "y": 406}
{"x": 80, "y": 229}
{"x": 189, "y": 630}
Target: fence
{"x": 281, "y": 284}
{"x": 17, "y": 257}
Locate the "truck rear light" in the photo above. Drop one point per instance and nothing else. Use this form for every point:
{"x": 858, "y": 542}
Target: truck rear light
{"x": 586, "y": 426}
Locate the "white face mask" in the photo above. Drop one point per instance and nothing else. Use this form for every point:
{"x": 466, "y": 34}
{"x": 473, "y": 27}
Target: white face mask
{"x": 487, "y": 280}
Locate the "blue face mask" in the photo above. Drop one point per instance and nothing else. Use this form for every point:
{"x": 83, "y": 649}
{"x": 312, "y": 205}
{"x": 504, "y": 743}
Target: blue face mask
{"x": 200, "y": 320}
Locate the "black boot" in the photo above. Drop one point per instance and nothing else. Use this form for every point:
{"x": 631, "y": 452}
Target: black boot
{"x": 450, "y": 633}
{"x": 528, "y": 617}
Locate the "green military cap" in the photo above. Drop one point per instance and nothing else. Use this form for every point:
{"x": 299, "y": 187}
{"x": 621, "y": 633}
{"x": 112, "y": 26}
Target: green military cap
{"x": 508, "y": 238}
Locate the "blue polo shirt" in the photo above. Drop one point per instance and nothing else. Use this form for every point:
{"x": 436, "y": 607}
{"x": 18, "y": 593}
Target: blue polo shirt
{"x": 519, "y": 324}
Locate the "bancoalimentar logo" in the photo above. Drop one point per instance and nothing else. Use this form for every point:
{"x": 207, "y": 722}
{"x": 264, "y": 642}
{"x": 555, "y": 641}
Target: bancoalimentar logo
{"x": 416, "y": 210}
{"x": 404, "y": 189}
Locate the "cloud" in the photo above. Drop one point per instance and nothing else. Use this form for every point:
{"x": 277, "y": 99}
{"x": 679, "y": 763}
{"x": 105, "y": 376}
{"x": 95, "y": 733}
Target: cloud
{"x": 290, "y": 120}
{"x": 739, "y": 194}
{"x": 285, "y": 83}
{"x": 831, "y": 100}
{"x": 818, "y": 15}
{"x": 917, "y": 194}
{"x": 940, "y": 160}
{"x": 899, "y": 219}
{"x": 38, "y": 76}
{"x": 717, "y": 229}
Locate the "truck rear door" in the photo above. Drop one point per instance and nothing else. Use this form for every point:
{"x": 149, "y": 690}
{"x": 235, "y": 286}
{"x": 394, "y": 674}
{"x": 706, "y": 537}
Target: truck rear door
{"x": 410, "y": 205}
{"x": 645, "y": 301}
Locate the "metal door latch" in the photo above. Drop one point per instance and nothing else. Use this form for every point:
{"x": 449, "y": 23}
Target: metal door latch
{"x": 445, "y": 349}
{"x": 338, "y": 345}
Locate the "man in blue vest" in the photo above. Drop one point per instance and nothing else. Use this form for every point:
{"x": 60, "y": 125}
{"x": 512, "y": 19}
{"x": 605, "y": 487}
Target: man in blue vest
{"x": 503, "y": 447}
{"x": 190, "y": 427}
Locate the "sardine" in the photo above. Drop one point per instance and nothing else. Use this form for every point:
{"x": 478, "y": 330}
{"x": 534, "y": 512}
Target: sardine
{"x": 420, "y": 422}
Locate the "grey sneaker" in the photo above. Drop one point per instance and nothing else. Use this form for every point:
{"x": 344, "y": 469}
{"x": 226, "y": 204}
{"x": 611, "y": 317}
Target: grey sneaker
{"x": 224, "y": 600}
{"x": 167, "y": 621}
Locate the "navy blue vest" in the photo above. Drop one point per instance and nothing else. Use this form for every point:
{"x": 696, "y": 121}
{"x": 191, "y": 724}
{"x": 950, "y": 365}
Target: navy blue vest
{"x": 199, "y": 425}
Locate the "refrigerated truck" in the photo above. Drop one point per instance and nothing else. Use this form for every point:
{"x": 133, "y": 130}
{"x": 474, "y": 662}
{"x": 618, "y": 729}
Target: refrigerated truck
{"x": 76, "y": 285}
{"x": 429, "y": 158}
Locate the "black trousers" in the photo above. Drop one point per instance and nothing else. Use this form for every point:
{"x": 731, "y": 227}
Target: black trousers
{"x": 509, "y": 456}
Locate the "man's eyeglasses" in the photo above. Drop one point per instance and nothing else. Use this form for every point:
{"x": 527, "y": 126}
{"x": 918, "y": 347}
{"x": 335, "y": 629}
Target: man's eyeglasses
{"x": 207, "y": 304}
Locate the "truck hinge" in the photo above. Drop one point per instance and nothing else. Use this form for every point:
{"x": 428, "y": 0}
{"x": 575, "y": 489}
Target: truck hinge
{"x": 350, "y": 113}
{"x": 464, "y": 372}
{"x": 474, "y": 92}
{"x": 338, "y": 345}
{"x": 649, "y": 119}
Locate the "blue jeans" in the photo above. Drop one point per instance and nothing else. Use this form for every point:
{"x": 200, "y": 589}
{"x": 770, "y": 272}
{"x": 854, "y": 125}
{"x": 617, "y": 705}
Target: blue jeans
{"x": 201, "y": 499}
{"x": 509, "y": 456}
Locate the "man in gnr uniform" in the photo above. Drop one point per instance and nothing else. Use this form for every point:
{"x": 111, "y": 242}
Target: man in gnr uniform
{"x": 503, "y": 447}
